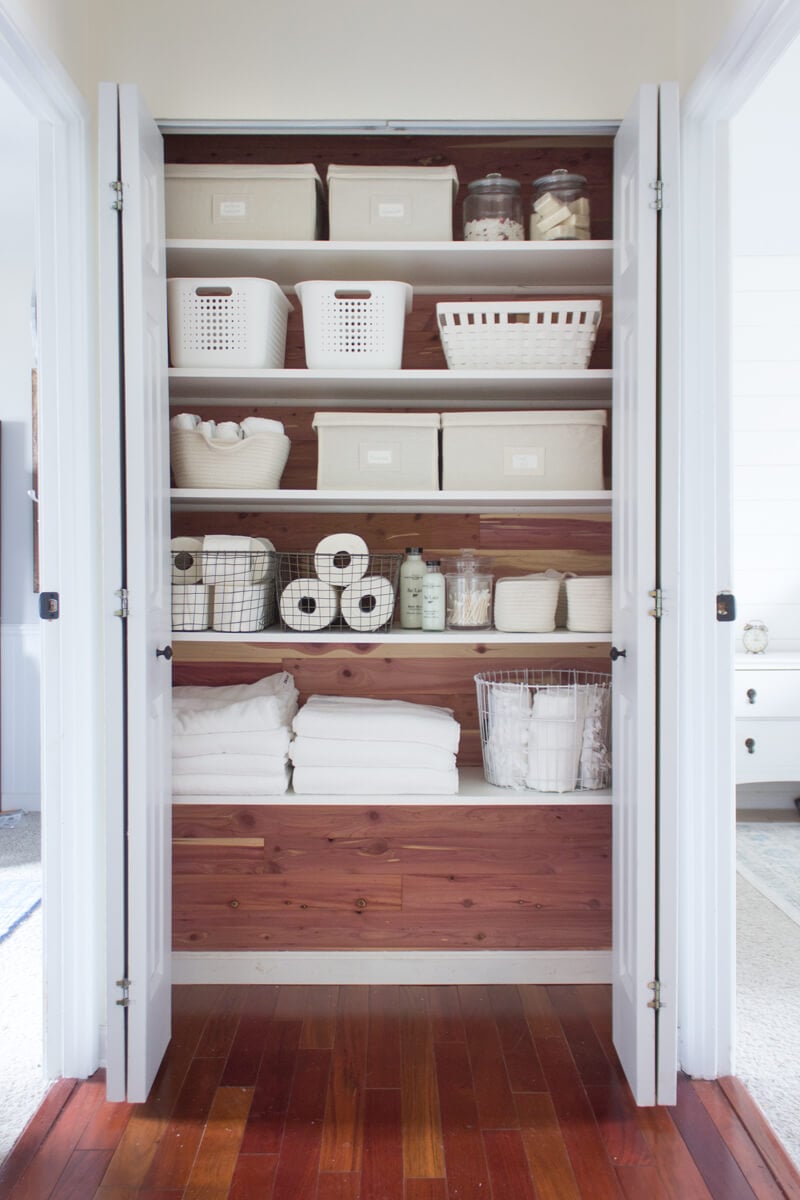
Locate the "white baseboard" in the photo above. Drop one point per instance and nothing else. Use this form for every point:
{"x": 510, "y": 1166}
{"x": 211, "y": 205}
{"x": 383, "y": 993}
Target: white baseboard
{"x": 392, "y": 966}
{"x": 27, "y": 801}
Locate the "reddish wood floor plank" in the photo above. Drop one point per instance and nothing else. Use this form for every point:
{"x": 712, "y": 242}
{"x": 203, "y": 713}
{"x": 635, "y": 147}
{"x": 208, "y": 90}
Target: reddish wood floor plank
{"x": 423, "y": 1155}
{"x": 547, "y": 1155}
{"x": 244, "y": 1059}
{"x": 30, "y": 1140}
{"x": 542, "y": 1018}
{"x": 177, "y": 1148}
{"x": 464, "y": 1153}
{"x": 426, "y": 1189}
{"x": 217, "y": 1155}
{"x": 254, "y": 1177}
{"x": 722, "y": 1174}
{"x": 508, "y": 1165}
{"x": 383, "y": 1048}
{"x": 43, "y": 1172}
{"x": 676, "y": 1167}
{"x": 319, "y": 1018}
{"x": 739, "y": 1141}
{"x": 524, "y": 1070}
{"x": 336, "y": 1187}
{"x": 382, "y": 1171}
{"x": 641, "y": 1183}
{"x": 447, "y": 1022}
{"x": 342, "y": 1133}
{"x": 82, "y": 1175}
{"x": 496, "y": 1106}
{"x": 298, "y": 1165}
{"x": 587, "y": 1051}
{"x": 615, "y": 1113}
{"x": 762, "y": 1134}
{"x": 264, "y": 1129}
{"x": 220, "y": 1029}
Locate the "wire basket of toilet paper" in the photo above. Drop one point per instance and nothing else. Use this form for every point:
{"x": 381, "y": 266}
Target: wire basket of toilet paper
{"x": 342, "y": 588}
{"x": 224, "y": 583}
{"x": 545, "y": 731}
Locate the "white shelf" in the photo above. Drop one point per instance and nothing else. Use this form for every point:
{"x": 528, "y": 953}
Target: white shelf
{"x": 568, "y": 267}
{"x": 339, "y": 637}
{"x": 420, "y": 389}
{"x": 473, "y": 790}
{"x": 312, "y": 500}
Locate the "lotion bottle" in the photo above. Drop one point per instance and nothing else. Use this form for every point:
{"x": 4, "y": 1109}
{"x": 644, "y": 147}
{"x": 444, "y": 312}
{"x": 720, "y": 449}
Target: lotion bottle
{"x": 412, "y": 572}
{"x": 433, "y": 596}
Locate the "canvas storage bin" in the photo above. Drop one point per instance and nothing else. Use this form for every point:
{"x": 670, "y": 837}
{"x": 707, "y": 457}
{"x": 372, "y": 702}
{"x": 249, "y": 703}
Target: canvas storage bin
{"x": 250, "y": 202}
{"x": 252, "y": 462}
{"x": 523, "y": 451}
{"x": 226, "y": 323}
{"x": 391, "y": 204}
{"x": 354, "y": 325}
{"x": 384, "y": 451}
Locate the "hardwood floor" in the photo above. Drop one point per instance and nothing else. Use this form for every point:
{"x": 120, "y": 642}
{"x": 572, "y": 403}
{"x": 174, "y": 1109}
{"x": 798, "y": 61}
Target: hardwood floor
{"x": 395, "y": 1093}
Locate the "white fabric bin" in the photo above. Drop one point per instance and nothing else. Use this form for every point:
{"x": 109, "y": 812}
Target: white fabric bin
{"x": 248, "y": 202}
{"x": 390, "y": 451}
{"x": 523, "y": 451}
{"x": 391, "y": 204}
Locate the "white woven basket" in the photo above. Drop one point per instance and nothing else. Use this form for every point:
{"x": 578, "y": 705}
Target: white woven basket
{"x": 253, "y": 462}
{"x": 518, "y": 335}
{"x": 526, "y": 605}
{"x": 356, "y": 325}
{"x": 589, "y": 604}
{"x": 226, "y": 322}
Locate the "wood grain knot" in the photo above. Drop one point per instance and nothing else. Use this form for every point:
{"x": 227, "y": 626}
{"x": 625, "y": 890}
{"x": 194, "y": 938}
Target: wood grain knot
{"x": 361, "y": 902}
{"x": 233, "y": 903}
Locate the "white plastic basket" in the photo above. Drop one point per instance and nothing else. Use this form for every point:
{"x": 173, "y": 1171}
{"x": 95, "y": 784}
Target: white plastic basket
{"x": 226, "y": 323}
{"x": 589, "y": 604}
{"x": 253, "y": 462}
{"x": 545, "y": 731}
{"x": 357, "y": 325}
{"x": 519, "y": 334}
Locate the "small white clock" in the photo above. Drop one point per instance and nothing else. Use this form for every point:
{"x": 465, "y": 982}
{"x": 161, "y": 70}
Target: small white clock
{"x": 755, "y": 637}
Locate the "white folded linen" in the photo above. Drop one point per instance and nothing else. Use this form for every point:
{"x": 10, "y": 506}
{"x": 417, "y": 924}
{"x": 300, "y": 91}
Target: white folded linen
{"x": 273, "y": 784}
{"x": 554, "y": 739}
{"x": 333, "y": 752}
{"x": 229, "y": 764}
{"x": 267, "y": 704}
{"x": 363, "y": 719}
{"x": 280, "y": 685}
{"x": 377, "y": 781}
{"x": 271, "y": 742}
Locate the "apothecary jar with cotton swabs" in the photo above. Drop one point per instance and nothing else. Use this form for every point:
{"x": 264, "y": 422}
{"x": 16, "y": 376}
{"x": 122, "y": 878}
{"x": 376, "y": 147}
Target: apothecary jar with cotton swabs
{"x": 469, "y": 580}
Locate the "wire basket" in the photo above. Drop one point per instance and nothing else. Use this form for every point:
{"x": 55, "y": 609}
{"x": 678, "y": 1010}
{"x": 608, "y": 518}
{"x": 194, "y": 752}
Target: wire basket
{"x": 235, "y": 592}
{"x": 545, "y": 731}
{"x": 519, "y": 334}
{"x": 337, "y": 591}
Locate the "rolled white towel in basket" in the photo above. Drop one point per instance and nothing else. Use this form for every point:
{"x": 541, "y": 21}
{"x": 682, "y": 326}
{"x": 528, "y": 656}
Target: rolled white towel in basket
{"x": 253, "y": 425}
{"x": 184, "y": 421}
{"x": 506, "y": 746}
{"x": 555, "y": 738}
{"x": 228, "y": 431}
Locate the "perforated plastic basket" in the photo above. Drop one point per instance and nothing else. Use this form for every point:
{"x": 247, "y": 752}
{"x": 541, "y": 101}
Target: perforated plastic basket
{"x": 357, "y": 325}
{"x": 226, "y": 322}
{"x": 518, "y": 335}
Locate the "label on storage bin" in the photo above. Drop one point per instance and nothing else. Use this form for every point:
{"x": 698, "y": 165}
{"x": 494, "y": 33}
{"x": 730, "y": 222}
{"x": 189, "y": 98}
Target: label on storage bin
{"x": 523, "y": 460}
{"x": 383, "y": 455}
{"x": 227, "y": 208}
{"x": 391, "y": 208}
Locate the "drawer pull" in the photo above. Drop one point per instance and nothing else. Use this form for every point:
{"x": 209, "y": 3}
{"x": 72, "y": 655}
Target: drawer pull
{"x": 751, "y": 695}
{"x": 750, "y": 743}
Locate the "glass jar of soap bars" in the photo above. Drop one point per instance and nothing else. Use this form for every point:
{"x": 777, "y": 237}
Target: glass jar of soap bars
{"x": 560, "y": 208}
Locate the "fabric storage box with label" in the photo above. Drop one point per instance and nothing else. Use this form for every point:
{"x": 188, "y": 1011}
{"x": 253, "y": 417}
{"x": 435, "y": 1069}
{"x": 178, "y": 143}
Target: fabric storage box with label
{"x": 226, "y": 323}
{"x": 391, "y": 204}
{"x": 390, "y": 451}
{"x": 248, "y": 202}
{"x": 523, "y": 451}
{"x": 356, "y": 325}
{"x": 518, "y": 335}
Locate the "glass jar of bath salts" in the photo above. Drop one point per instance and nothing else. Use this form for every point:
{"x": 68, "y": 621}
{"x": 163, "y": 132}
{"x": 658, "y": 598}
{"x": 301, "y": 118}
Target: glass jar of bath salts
{"x": 560, "y": 208}
{"x": 493, "y": 210}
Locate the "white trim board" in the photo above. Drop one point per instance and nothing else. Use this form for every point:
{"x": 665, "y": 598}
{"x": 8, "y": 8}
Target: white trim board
{"x": 408, "y": 967}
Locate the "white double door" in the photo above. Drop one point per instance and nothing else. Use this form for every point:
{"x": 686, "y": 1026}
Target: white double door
{"x": 136, "y": 421}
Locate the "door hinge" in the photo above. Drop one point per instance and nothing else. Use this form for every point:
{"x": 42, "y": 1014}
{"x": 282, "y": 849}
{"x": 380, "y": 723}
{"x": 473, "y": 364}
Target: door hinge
{"x": 655, "y": 987}
{"x": 125, "y": 985}
{"x": 657, "y": 610}
{"x": 116, "y": 187}
{"x": 658, "y": 199}
{"x": 123, "y": 610}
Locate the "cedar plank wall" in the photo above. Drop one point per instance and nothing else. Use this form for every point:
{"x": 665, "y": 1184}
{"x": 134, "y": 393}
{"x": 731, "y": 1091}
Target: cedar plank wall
{"x": 285, "y": 877}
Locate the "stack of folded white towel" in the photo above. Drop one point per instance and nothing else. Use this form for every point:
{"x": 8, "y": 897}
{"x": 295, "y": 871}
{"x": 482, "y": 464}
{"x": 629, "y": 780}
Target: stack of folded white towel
{"x": 230, "y": 741}
{"x": 347, "y": 745}
{"x": 226, "y": 431}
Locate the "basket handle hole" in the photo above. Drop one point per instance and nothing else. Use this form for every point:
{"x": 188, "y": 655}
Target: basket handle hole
{"x": 342, "y": 295}
{"x": 307, "y": 605}
{"x": 213, "y": 291}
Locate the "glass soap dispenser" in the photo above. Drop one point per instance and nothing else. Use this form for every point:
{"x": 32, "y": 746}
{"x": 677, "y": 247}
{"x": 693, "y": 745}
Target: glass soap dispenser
{"x": 493, "y": 210}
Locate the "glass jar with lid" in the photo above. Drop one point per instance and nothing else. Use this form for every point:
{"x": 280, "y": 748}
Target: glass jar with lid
{"x": 560, "y": 208}
{"x": 493, "y": 210}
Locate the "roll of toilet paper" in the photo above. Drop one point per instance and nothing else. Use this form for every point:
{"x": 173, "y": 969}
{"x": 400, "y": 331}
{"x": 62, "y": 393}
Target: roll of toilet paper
{"x": 309, "y": 605}
{"x": 239, "y": 608}
{"x": 341, "y": 559}
{"x": 191, "y": 608}
{"x": 368, "y": 604}
{"x": 262, "y": 561}
{"x": 227, "y": 559}
{"x": 187, "y": 559}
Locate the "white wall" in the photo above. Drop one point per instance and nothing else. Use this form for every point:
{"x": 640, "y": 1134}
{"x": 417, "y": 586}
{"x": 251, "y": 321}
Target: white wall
{"x": 765, "y": 185}
{"x": 62, "y": 25}
{"x": 19, "y": 631}
{"x": 312, "y": 59}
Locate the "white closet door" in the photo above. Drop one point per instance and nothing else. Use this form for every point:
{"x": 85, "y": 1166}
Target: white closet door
{"x": 142, "y": 898}
{"x": 634, "y": 559}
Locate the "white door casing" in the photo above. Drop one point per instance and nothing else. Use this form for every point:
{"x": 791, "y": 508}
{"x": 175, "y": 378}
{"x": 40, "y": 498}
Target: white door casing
{"x": 634, "y": 571}
{"x": 143, "y": 891}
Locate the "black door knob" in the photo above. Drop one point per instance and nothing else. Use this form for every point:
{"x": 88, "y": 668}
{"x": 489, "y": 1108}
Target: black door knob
{"x": 614, "y": 654}
{"x": 165, "y": 653}
{"x": 750, "y": 743}
{"x": 751, "y": 695}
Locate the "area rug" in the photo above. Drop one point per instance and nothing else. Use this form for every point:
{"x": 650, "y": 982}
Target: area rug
{"x": 768, "y": 857}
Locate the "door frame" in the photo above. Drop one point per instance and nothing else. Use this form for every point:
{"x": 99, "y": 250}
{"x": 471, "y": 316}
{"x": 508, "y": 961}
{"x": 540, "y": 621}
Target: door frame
{"x": 706, "y": 807}
{"x": 68, "y": 523}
